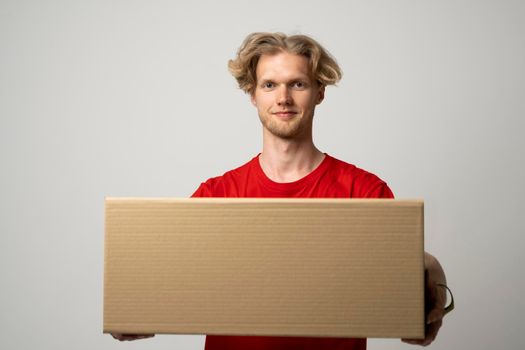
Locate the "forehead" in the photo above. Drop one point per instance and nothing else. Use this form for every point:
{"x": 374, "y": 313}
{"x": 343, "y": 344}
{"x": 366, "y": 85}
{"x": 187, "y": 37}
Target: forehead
{"x": 282, "y": 66}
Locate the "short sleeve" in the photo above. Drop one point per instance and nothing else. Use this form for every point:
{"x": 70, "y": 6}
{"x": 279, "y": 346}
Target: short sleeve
{"x": 202, "y": 191}
{"x": 380, "y": 191}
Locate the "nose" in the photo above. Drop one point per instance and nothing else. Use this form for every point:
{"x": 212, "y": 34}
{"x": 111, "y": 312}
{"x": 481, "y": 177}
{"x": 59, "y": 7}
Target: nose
{"x": 284, "y": 98}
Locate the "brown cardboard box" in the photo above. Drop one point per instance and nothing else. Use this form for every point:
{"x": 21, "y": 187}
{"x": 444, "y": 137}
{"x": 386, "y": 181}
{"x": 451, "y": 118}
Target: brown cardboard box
{"x": 300, "y": 267}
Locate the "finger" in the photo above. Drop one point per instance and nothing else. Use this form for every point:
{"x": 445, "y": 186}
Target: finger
{"x": 435, "y": 315}
{"x": 435, "y": 306}
{"x": 431, "y": 298}
{"x": 144, "y": 336}
{"x": 129, "y": 337}
{"x": 431, "y": 333}
{"x": 118, "y": 336}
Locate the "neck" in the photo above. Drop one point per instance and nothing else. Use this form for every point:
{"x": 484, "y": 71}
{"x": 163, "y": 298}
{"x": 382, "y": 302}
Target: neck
{"x": 288, "y": 160}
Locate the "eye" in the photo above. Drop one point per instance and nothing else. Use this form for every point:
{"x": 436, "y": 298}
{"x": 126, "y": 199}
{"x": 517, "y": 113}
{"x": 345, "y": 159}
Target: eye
{"x": 268, "y": 85}
{"x": 299, "y": 85}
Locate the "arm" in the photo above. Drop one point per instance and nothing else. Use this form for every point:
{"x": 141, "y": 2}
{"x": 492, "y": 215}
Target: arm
{"x": 435, "y": 300}
{"x": 435, "y": 295}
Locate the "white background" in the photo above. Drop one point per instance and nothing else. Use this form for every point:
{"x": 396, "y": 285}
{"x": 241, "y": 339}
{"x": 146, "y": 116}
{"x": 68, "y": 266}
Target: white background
{"x": 133, "y": 98}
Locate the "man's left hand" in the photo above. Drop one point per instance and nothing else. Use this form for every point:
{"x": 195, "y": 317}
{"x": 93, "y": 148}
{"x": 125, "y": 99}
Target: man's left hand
{"x": 435, "y": 301}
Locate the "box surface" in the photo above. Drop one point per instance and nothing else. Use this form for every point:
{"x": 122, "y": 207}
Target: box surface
{"x": 299, "y": 267}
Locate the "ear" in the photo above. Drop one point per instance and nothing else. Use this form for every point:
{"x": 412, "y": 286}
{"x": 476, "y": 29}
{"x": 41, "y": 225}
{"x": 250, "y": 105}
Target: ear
{"x": 320, "y": 95}
{"x": 252, "y": 99}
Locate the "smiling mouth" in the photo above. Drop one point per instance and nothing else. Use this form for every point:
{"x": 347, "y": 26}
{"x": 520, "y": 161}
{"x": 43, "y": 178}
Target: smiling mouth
{"x": 285, "y": 114}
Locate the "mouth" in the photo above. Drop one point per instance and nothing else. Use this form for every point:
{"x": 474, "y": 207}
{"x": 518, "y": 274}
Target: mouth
{"x": 285, "y": 114}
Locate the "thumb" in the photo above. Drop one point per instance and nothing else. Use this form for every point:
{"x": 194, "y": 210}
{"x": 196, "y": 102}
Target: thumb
{"x": 434, "y": 315}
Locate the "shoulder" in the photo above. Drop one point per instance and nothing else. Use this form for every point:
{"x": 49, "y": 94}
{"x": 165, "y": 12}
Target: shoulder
{"x": 227, "y": 184}
{"x": 360, "y": 183}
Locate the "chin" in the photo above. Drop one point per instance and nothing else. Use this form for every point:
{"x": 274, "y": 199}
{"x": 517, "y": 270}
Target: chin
{"x": 290, "y": 129}
{"x": 286, "y": 133}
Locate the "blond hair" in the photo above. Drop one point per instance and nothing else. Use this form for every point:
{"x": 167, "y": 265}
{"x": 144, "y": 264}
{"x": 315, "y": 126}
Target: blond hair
{"x": 322, "y": 66}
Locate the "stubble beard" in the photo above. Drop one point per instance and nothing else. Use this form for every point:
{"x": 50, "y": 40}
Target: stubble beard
{"x": 288, "y": 129}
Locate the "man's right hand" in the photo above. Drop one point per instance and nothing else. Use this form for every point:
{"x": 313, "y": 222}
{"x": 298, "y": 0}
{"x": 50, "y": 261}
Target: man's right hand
{"x": 123, "y": 337}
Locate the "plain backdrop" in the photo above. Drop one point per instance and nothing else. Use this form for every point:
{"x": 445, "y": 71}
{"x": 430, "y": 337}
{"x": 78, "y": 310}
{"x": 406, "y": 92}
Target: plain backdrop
{"x": 133, "y": 98}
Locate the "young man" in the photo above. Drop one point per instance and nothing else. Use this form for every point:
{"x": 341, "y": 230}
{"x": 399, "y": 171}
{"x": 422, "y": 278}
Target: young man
{"x": 286, "y": 78}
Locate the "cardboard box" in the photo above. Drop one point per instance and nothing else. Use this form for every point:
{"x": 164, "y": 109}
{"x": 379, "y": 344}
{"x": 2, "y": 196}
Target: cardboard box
{"x": 299, "y": 267}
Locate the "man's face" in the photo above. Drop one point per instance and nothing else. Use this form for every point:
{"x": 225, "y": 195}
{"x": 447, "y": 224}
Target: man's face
{"x": 285, "y": 95}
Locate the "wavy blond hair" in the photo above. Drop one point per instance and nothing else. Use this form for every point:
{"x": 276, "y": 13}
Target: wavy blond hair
{"x": 322, "y": 66}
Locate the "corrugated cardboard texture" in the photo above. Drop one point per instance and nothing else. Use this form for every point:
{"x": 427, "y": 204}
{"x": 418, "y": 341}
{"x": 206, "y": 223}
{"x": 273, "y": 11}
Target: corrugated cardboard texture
{"x": 304, "y": 267}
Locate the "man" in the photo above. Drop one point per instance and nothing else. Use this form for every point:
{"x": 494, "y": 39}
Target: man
{"x": 286, "y": 77}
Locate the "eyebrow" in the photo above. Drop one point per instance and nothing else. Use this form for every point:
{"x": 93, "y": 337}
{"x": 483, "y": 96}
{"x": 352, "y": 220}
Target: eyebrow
{"x": 298, "y": 78}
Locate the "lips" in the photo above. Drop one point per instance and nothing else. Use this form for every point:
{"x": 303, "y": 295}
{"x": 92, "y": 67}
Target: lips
{"x": 285, "y": 114}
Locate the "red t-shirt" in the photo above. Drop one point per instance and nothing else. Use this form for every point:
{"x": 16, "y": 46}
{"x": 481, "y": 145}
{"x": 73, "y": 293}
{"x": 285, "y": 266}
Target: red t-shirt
{"x": 331, "y": 179}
